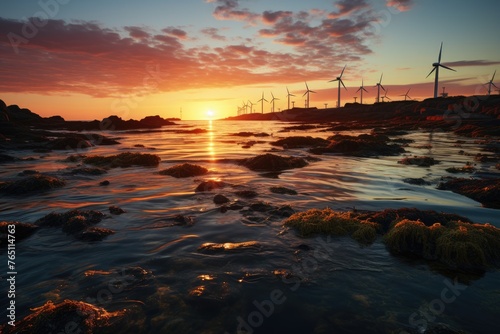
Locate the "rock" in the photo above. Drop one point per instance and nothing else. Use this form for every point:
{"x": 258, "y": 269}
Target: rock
{"x": 250, "y": 134}
{"x": 94, "y": 234}
{"x": 210, "y": 185}
{"x": 20, "y": 231}
{"x": 88, "y": 171}
{"x": 271, "y": 162}
{"x": 60, "y": 219}
{"x": 246, "y": 193}
{"x": 486, "y": 192}
{"x": 28, "y": 172}
{"x": 75, "y": 224}
{"x": 126, "y": 159}
{"x": 282, "y": 190}
{"x": 184, "y": 170}
{"x": 7, "y": 158}
{"x": 416, "y": 181}
{"x": 301, "y": 141}
{"x": 104, "y": 183}
{"x": 220, "y": 199}
{"x": 230, "y": 246}
{"x": 54, "y": 318}
{"x": 31, "y": 185}
{"x": 418, "y": 161}
{"x": 116, "y": 210}
{"x": 69, "y": 143}
{"x": 182, "y": 220}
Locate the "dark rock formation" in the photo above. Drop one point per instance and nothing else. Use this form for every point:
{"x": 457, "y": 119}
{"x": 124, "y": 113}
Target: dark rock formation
{"x": 124, "y": 160}
{"x": 486, "y": 192}
{"x": 301, "y": 141}
{"x": 31, "y": 185}
{"x": 271, "y": 162}
{"x": 184, "y": 170}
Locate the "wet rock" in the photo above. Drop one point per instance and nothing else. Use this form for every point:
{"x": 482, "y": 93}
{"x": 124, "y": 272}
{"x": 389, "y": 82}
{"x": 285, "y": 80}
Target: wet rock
{"x": 250, "y": 134}
{"x": 75, "y": 224}
{"x": 192, "y": 131}
{"x": 126, "y": 159}
{"x": 230, "y": 246}
{"x": 116, "y": 210}
{"x": 301, "y": 141}
{"x": 60, "y": 219}
{"x": 282, "y": 191}
{"x": 282, "y": 211}
{"x": 31, "y": 185}
{"x": 271, "y": 162}
{"x": 210, "y": 185}
{"x": 362, "y": 145}
{"x": 88, "y": 171}
{"x": 246, "y": 193}
{"x": 75, "y": 158}
{"x": 260, "y": 207}
{"x": 57, "y": 318}
{"x": 210, "y": 294}
{"x": 94, "y": 234}
{"x": 486, "y": 192}
{"x": 139, "y": 145}
{"x": 69, "y": 143}
{"x": 7, "y": 158}
{"x": 104, "y": 183}
{"x": 181, "y": 220}
{"x": 105, "y": 141}
{"x": 184, "y": 170}
{"x": 468, "y": 168}
{"x": 19, "y": 230}
{"x": 28, "y": 172}
{"x": 416, "y": 181}
{"x": 418, "y": 161}
{"x": 220, "y": 199}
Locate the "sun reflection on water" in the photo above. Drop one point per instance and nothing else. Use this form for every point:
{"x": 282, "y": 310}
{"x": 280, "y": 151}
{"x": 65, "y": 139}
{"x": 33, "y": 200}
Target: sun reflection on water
{"x": 211, "y": 146}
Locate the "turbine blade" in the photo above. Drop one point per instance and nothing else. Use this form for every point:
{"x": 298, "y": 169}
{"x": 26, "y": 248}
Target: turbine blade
{"x": 494, "y": 85}
{"x": 365, "y": 89}
{"x": 382, "y": 87}
{"x": 493, "y": 77}
{"x": 343, "y": 84}
{"x": 431, "y": 72}
{"x": 359, "y": 89}
{"x": 333, "y": 80}
{"x": 447, "y": 67}
{"x": 380, "y": 81}
{"x": 440, "y": 51}
{"x": 342, "y": 71}
{"x": 311, "y": 91}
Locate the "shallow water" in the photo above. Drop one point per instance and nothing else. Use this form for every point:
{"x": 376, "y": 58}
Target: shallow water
{"x": 337, "y": 287}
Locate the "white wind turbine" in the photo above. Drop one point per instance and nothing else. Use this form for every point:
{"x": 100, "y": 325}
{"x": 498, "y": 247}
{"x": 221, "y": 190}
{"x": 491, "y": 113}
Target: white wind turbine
{"x": 378, "y": 85}
{"x": 273, "y": 99}
{"x": 339, "y": 79}
{"x": 262, "y": 101}
{"x": 288, "y": 95}
{"x": 361, "y": 89}
{"x": 436, "y": 68}
{"x": 406, "y": 95}
{"x": 307, "y": 93}
{"x": 490, "y": 83}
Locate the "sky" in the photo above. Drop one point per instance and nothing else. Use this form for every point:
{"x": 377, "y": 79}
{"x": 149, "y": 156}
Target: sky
{"x": 197, "y": 59}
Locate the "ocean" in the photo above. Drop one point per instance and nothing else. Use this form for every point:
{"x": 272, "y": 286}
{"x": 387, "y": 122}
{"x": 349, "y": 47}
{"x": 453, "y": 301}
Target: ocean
{"x": 281, "y": 283}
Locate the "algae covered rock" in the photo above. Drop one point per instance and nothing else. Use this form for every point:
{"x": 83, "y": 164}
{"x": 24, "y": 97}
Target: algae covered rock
{"x": 486, "y": 192}
{"x": 271, "y": 163}
{"x": 32, "y": 184}
{"x": 126, "y": 159}
{"x": 184, "y": 170}
{"x": 300, "y": 141}
{"x": 418, "y": 161}
{"x": 19, "y": 230}
{"x": 57, "y": 318}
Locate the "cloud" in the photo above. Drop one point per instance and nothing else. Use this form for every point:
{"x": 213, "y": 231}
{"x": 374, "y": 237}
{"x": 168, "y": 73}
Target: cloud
{"x": 269, "y": 17}
{"x": 230, "y": 10}
{"x": 213, "y": 33}
{"x": 346, "y": 7}
{"x": 401, "y": 5}
{"x": 178, "y": 33}
{"x": 464, "y": 63}
{"x": 136, "y": 32}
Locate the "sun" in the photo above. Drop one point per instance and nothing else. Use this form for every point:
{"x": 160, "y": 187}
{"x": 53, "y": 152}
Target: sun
{"x": 210, "y": 113}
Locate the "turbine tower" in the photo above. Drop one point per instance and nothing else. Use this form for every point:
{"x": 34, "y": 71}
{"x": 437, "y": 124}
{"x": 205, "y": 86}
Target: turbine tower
{"x": 406, "y": 95}
{"x": 378, "y": 85}
{"x": 273, "y": 99}
{"x": 339, "y": 79}
{"x": 307, "y": 93}
{"x": 288, "y": 95}
{"x": 385, "y": 95}
{"x": 262, "y": 103}
{"x": 436, "y": 68}
{"x": 251, "y": 106}
{"x": 361, "y": 89}
{"x": 490, "y": 83}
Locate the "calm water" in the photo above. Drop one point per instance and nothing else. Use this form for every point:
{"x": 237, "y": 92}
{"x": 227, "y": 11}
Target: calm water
{"x": 337, "y": 287}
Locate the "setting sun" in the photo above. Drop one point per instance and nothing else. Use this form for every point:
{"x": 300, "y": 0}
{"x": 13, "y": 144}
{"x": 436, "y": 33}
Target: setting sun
{"x": 210, "y": 113}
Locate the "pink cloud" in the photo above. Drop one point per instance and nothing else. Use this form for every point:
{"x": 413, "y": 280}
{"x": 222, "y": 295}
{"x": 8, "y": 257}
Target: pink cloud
{"x": 401, "y": 5}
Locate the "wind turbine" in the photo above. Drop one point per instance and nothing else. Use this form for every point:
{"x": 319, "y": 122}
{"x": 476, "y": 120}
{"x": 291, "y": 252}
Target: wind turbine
{"x": 378, "y": 85}
{"x": 436, "y": 68}
{"x": 245, "y": 106}
{"x": 307, "y": 92}
{"x": 406, "y": 95}
{"x": 361, "y": 89}
{"x": 339, "y": 79}
{"x": 262, "y": 101}
{"x": 490, "y": 83}
{"x": 288, "y": 96}
{"x": 272, "y": 100}
{"x": 385, "y": 95}
{"x": 251, "y": 106}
